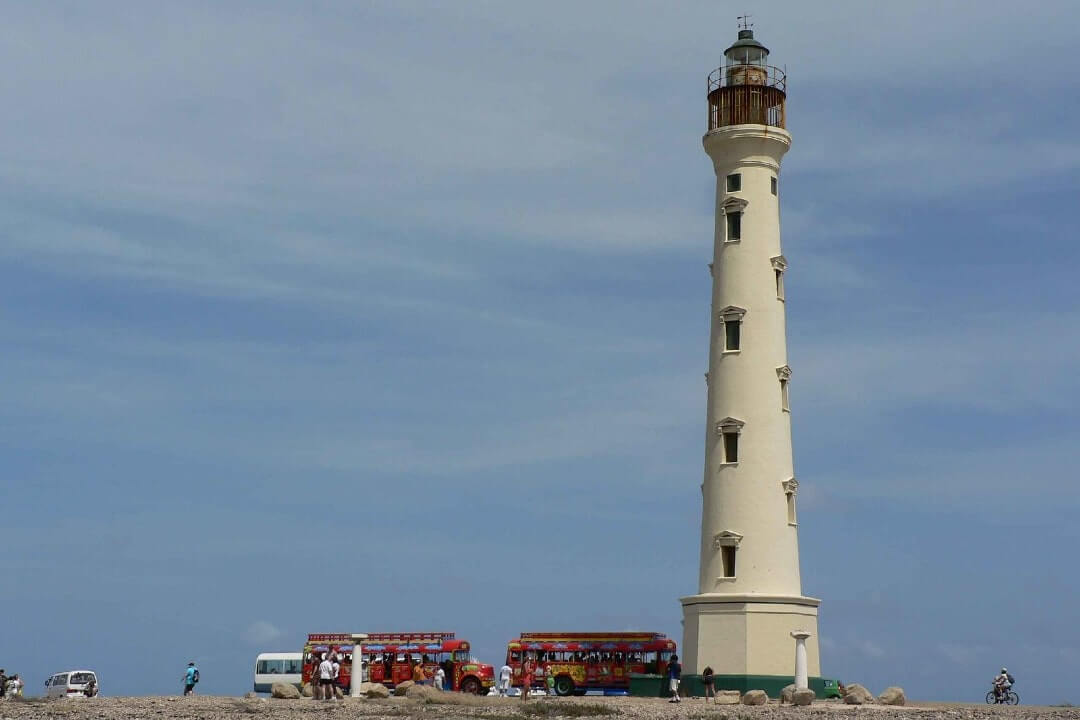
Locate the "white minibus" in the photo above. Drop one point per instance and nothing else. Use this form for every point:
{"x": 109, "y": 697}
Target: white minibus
{"x": 72, "y": 684}
{"x": 273, "y": 668}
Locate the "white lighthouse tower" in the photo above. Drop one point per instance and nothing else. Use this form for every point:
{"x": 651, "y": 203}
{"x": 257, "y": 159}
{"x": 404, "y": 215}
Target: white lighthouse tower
{"x": 749, "y": 600}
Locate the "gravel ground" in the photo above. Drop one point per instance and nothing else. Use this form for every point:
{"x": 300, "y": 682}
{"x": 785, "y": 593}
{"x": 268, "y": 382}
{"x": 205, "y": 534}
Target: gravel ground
{"x": 224, "y": 708}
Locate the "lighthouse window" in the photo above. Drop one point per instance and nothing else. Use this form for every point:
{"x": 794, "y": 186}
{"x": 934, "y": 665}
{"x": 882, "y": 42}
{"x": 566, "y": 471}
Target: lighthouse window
{"x": 731, "y": 334}
{"x": 784, "y": 395}
{"x": 731, "y": 447}
{"x": 791, "y": 508}
{"x": 779, "y": 284}
{"x": 772, "y": 183}
{"x": 727, "y": 555}
{"x": 734, "y": 226}
{"x": 734, "y": 182}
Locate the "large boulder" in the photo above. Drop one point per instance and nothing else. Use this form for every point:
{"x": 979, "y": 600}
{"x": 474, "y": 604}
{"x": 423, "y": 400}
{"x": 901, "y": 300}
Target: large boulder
{"x": 728, "y": 697}
{"x": 803, "y": 697}
{"x": 787, "y": 694}
{"x": 892, "y": 696}
{"x": 306, "y": 691}
{"x": 857, "y": 695}
{"x": 403, "y": 687}
{"x": 423, "y": 692}
{"x": 284, "y": 691}
{"x": 374, "y": 690}
{"x": 755, "y": 697}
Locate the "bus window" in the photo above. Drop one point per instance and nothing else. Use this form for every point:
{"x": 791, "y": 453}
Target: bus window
{"x": 515, "y": 656}
{"x": 265, "y": 667}
{"x": 293, "y": 667}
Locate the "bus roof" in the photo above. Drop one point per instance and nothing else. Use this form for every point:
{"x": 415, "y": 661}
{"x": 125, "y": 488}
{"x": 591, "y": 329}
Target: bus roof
{"x": 280, "y": 656}
{"x": 382, "y": 637}
{"x": 590, "y": 641}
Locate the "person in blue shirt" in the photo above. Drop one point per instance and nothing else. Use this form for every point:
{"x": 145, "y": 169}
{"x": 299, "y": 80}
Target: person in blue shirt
{"x": 674, "y": 673}
{"x": 191, "y": 676}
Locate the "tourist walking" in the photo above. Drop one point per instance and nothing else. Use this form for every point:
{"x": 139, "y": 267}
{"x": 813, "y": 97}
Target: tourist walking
{"x": 191, "y": 678}
{"x": 708, "y": 681}
{"x": 339, "y": 692}
{"x": 505, "y": 673}
{"x": 326, "y": 679}
{"x": 528, "y": 667}
{"x": 674, "y": 673}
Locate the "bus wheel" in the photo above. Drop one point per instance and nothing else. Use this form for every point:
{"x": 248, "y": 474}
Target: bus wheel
{"x": 470, "y": 685}
{"x": 564, "y": 686}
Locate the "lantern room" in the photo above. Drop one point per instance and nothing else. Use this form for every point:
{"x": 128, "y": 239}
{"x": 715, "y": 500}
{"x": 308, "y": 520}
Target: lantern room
{"x": 746, "y": 90}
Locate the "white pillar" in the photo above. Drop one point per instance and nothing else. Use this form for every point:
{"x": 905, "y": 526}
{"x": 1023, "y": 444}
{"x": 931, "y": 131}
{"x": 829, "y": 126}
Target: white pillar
{"x": 801, "y": 680}
{"x": 357, "y": 671}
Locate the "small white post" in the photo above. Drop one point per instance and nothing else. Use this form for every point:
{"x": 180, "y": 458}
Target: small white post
{"x": 357, "y": 670}
{"x": 802, "y": 681}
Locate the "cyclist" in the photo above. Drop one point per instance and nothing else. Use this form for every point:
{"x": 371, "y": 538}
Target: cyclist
{"x": 1002, "y": 682}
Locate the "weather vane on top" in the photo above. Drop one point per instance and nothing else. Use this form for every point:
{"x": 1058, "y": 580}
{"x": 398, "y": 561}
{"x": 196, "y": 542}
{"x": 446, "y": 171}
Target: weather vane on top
{"x": 744, "y": 22}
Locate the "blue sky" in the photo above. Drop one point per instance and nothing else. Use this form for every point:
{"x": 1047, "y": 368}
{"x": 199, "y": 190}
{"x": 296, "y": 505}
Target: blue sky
{"x": 268, "y": 269}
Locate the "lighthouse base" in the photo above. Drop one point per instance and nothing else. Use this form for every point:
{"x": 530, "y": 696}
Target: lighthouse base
{"x": 748, "y": 635}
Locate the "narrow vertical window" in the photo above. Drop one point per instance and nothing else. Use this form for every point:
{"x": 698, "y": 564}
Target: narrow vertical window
{"x": 727, "y": 430}
{"x": 790, "y": 508}
{"x": 734, "y": 226}
{"x": 784, "y": 374}
{"x": 731, "y": 334}
{"x": 779, "y": 265}
{"x": 772, "y": 185}
{"x": 727, "y": 553}
{"x": 731, "y": 447}
{"x": 734, "y": 182}
{"x": 731, "y": 317}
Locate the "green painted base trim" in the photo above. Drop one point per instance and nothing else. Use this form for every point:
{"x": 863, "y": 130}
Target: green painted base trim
{"x": 691, "y": 685}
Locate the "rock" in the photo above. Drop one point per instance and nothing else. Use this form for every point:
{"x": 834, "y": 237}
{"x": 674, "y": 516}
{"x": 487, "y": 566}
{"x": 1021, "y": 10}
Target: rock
{"x": 284, "y": 691}
{"x": 787, "y": 694}
{"x": 251, "y": 695}
{"x": 892, "y": 696}
{"x": 306, "y": 691}
{"x": 857, "y": 695}
{"x": 728, "y": 697}
{"x": 422, "y": 692}
{"x": 755, "y": 697}
{"x": 403, "y": 687}
{"x": 374, "y": 690}
{"x": 803, "y": 697}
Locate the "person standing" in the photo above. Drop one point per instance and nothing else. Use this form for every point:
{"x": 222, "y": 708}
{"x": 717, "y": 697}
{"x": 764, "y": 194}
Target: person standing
{"x": 191, "y": 678}
{"x": 418, "y": 674}
{"x": 326, "y": 679}
{"x": 440, "y": 678}
{"x": 339, "y": 693}
{"x": 709, "y": 683}
{"x": 505, "y": 673}
{"x": 528, "y": 667}
{"x": 549, "y": 679}
{"x": 3, "y": 683}
{"x": 674, "y": 673}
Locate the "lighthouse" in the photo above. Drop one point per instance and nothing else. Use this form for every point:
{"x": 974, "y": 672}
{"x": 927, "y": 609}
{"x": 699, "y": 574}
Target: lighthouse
{"x": 749, "y": 613}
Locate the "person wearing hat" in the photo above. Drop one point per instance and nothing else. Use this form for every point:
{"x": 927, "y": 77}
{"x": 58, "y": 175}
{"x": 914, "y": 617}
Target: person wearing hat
{"x": 191, "y": 677}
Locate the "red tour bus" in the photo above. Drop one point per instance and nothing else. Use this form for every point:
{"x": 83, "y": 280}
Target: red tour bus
{"x": 388, "y": 659}
{"x": 590, "y": 660}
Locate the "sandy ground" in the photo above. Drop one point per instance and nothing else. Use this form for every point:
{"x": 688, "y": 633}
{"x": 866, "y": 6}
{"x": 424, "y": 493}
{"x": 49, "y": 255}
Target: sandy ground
{"x": 224, "y": 708}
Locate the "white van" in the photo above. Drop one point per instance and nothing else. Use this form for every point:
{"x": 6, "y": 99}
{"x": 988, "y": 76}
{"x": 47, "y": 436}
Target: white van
{"x": 273, "y": 668}
{"x": 71, "y": 684}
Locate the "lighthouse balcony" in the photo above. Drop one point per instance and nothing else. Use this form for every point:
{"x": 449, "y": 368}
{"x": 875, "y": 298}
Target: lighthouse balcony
{"x": 746, "y": 94}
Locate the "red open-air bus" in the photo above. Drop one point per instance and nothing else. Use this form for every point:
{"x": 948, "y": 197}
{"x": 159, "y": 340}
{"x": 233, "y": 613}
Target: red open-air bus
{"x": 388, "y": 658}
{"x": 590, "y": 660}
